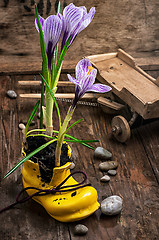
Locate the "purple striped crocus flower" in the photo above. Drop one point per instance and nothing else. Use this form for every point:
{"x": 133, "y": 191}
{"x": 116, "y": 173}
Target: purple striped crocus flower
{"x": 84, "y": 81}
{"x": 52, "y": 29}
{"x": 75, "y": 20}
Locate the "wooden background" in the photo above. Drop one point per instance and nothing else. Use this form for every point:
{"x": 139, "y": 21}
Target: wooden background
{"x": 128, "y": 24}
{"x": 131, "y": 25}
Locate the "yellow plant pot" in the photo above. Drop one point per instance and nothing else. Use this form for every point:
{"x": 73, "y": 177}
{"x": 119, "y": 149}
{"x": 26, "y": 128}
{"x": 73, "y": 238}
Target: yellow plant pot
{"x": 63, "y": 206}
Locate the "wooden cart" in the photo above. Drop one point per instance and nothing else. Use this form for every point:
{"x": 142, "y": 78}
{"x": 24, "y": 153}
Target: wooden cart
{"x": 131, "y": 86}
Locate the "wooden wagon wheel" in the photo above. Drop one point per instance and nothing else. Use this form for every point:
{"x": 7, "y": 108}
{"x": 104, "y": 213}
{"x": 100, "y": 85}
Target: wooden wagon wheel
{"x": 120, "y": 128}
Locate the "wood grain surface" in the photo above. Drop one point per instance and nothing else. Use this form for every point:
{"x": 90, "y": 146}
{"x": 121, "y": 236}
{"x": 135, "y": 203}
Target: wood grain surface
{"x": 130, "y": 25}
{"x": 136, "y": 181}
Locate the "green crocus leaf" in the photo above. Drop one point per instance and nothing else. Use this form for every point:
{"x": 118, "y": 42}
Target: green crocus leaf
{"x": 77, "y": 140}
{"x": 78, "y": 121}
{"x": 43, "y": 50}
{"x": 28, "y": 157}
{"x": 60, "y": 60}
{"x": 35, "y": 109}
{"x": 59, "y": 7}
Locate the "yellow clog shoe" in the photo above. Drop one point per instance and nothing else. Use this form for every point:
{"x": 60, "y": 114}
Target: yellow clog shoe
{"x": 67, "y": 206}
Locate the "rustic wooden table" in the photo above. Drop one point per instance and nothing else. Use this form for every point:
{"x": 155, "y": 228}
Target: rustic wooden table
{"x": 137, "y": 175}
{"x": 136, "y": 181}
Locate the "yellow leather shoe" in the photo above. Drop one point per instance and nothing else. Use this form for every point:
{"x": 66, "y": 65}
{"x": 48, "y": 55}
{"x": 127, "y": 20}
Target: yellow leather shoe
{"x": 67, "y": 206}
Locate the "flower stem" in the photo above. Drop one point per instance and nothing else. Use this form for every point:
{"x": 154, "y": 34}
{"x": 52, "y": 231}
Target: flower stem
{"x": 61, "y": 135}
{"x": 48, "y": 113}
{"x": 41, "y": 105}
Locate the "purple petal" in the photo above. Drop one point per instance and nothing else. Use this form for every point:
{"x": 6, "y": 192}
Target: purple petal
{"x": 73, "y": 80}
{"x": 62, "y": 20}
{"x": 53, "y": 27}
{"x": 86, "y": 20}
{"x": 84, "y": 9}
{"x": 82, "y": 68}
{"x": 87, "y": 82}
{"x": 42, "y": 20}
{"x": 49, "y": 55}
{"x": 77, "y": 87}
{"x": 66, "y": 32}
{"x": 99, "y": 88}
{"x": 73, "y": 17}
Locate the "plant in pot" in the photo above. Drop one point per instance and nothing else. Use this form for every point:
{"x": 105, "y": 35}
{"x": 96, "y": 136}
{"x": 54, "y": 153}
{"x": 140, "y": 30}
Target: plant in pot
{"x": 46, "y": 170}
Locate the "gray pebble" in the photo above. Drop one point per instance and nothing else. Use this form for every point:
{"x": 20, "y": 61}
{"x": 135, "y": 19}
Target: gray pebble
{"x": 80, "y": 229}
{"x": 112, "y": 205}
{"x": 105, "y": 178}
{"x": 12, "y": 94}
{"x": 112, "y": 172}
{"x": 109, "y": 165}
{"x": 102, "y": 153}
{"x": 21, "y": 126}
{"x": 72, "y": 166}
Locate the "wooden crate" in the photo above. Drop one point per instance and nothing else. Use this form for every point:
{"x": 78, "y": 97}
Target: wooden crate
{"x": 129, "y": 82}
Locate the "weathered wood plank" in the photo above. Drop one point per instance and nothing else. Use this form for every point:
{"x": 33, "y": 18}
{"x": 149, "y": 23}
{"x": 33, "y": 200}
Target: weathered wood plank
{"x": 111, "y": 28}
{"x": 136, "y": 180}
{"x": 149, "y": 132}
{"x": 135, "y": 183}
{"x": 22, "y": 66}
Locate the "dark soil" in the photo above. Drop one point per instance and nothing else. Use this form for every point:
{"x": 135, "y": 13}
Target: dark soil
{"x": 46, "y": 157}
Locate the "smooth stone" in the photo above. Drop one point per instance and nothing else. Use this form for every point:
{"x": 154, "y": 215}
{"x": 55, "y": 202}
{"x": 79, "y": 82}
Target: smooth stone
{"x": 112, "y": 205}
{"x": 12, "y": 94}
{"x": 102, "y": 153}
{"x": 72, "y": 166}
{"x": 21, "y": 126}
{"x": 80, "y": 229}
{"x": 109, "y": 165}
{"x": 112, "y": 172}
{"x": 105, "y": 178}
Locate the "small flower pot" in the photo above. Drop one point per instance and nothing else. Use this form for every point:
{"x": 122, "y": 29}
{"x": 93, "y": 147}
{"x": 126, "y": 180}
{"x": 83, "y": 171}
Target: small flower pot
{"x": 67, "y": 206}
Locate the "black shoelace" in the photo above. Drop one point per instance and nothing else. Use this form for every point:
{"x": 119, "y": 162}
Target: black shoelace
{"x": 41, "y": 192}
